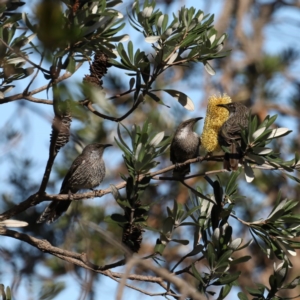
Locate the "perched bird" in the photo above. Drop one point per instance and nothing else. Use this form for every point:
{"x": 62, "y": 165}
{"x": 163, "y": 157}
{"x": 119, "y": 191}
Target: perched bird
{"x": 230, "y": 133}
{"x": 185, "y": 145}
{"x": 87, "y": 171}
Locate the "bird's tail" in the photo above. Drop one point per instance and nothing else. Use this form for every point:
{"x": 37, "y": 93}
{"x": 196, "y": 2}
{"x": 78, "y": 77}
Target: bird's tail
{"x": 232, "y": 159}
{"x": 181, "y": 171}
{"x": 53, "y": 211}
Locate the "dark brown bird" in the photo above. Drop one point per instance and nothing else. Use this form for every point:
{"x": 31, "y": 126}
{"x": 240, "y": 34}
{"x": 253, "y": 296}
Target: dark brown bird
{"x": 185, "y": 145}
{"x": 230, "y": 133}
{"x": 87, "y": 171}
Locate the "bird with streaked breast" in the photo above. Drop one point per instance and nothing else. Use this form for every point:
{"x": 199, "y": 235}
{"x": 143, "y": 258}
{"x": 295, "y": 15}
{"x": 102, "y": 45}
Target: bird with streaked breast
{"x": 86, "y": 172}
{"x": 230, "y": 133}
{"x": 185, "y": 145}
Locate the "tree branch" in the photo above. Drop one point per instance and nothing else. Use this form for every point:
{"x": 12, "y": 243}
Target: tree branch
{"x": 185, "y": 289}
{"x": 24, "y": 57}
{"x": 22, "y": 96}
{"x": 89, "y": 106}
{"x": 36, "y": 199}
{"x": 82, "y": 260}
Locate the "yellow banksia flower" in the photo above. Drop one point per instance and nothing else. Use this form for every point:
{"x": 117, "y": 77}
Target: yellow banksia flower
{"x": 215, "y": 118}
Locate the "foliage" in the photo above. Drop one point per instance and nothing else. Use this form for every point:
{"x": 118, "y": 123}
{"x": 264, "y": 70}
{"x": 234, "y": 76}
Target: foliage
{"x": 197, "y": 240}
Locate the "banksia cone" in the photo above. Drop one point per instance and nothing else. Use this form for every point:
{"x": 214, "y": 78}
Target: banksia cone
{"x": 215, "y": 118}
{"x": 60, "y": 128}
{"x": 132, "y": 236}
{"x": 97, "y": 70}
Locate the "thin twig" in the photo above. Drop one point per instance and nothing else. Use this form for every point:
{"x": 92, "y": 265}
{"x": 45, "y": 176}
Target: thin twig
{"x": 122, "y": 94}
{"x": 89, "y": 106}
{"x": 37, "y": 100}
{"x": 240, "y": 220}
{"x": 21, "y": 96}
{"x": 197, "y": 193}
{"x": 25, "y": 92}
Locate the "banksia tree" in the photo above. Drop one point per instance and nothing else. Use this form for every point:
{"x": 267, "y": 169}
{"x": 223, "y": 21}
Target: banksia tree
{"x": 187, "y": 247}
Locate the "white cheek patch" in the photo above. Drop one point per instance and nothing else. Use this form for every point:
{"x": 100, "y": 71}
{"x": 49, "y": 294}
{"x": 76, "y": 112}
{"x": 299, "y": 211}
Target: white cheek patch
{"x": 183, "y": 133}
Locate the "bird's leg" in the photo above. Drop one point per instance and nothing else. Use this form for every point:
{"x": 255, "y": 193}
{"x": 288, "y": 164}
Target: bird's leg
{"x": 207, "y": 155}
{"x": 70, "y": 195}
{"x": 95, "y": 191}
{"x": 176, "y": 165}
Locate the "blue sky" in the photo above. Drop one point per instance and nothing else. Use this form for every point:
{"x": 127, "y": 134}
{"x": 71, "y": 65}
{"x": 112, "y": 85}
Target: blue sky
{"x": 37, "y": 121}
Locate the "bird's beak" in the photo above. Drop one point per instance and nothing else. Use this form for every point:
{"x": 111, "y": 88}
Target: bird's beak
{"x": 107, "y": 145}
{"x": 222, "y": 105}
{"x": 197, "y": 119}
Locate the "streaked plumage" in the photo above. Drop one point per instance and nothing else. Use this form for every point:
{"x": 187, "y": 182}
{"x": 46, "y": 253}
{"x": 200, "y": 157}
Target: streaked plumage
{"x": 230, "y": 133}
{"x": 86, "y": 172}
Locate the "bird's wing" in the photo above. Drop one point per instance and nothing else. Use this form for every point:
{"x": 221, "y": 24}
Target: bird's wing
{"x": 233, "y": 129}
{"x": 76, "y": 163}
{"x": 199, "y": 145}
{"x": 172, "y": 152}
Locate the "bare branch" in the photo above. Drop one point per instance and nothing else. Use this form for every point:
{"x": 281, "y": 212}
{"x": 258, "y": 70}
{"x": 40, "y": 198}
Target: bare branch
{"x": 79, "y": 259}
{"x": 186, "y": 289}
{"x": 37, "y": 100}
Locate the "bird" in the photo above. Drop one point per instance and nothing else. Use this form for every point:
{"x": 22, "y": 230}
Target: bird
{"x": 86, "y": 172}
{"x": 230, "y": 133}
{"x": 185, "y": 145}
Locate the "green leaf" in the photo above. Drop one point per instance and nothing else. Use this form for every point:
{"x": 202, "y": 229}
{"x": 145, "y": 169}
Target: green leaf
{"x": 257, "y": 159}
{"x": 152, "y": 39}
{"x": 227, "y": 279}
{"x": 231, "y": 184}
{"x": 125, "y": 150}
{"x": 249, "y": 174}
{"x": 28, "y": 23}
{"x": 211, "y": 257}
{"x": 8, "y": 293}
{"x": 224, "y": 291}
{"x": 51, "y": 290}
{"x": 71, "y": 65}
{"x": 235, "y": 244}
{"x": 2, "y": 292}
{"x": 118, "y": 218}
{"x": 292, "y": 177}
{"x": 168, "y": 225}
{"x": 157, "y": 139}
{"x": 130, "y": 50}
{"x": 209, "y": 69}
{"x": 196, "y": 273}
{"x": 182, "y": 98}
{"x": 120, "y": 136}
{"x": 254, "y": 292}
{"x": 191, "y": 211}
{"x": 242, "y": 296}
{"x": 159, "y": 248}
{"x": 224, "y": 259}
{"x": 295, "y": 282}
{"x": 279, "y": 132}
{"x": 240, "y": 260}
